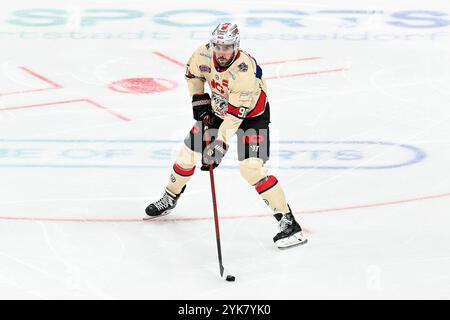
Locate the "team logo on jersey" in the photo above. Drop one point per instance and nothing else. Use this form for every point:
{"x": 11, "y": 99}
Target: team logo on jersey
{"x": 243, "y": 67}
{"x": 220, "y": 104}
{"x": 219, "y": 87}
{"x": 204, "y": 68}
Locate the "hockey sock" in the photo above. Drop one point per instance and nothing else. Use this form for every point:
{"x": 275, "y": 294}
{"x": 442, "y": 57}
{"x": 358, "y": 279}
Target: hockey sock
{"x": 271, "y": 192}
{"x": 179, "y": 177}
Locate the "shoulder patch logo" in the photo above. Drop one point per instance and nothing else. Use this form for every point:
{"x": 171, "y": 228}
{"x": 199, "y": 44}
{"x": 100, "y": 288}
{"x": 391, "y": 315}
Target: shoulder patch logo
{"x": 243, "y": 67}
{"x": 204, "y": 68}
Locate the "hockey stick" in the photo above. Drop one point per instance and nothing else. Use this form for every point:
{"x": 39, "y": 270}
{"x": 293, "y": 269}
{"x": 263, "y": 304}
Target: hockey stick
{"x": 216, "y": 216}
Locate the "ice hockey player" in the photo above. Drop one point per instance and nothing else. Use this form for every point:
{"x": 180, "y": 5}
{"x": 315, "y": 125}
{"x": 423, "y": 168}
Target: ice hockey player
{"x": 238, "y": 106}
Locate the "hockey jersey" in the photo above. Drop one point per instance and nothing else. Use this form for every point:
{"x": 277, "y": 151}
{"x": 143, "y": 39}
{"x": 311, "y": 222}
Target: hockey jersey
{"x": 237, "y": 91}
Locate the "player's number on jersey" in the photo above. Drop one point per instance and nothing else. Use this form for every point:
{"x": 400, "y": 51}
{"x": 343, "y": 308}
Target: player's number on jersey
{"x": 242, "y": 112}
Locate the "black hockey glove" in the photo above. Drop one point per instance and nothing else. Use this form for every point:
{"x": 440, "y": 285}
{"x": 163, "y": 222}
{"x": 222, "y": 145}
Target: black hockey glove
{"x": 214, "y": 153}
{"x": 201, "y": 107}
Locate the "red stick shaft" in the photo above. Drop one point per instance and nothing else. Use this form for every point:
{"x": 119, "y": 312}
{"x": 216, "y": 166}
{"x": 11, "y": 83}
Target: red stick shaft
{"x": 216, "y": 216}
{"x": 213, "y": 192}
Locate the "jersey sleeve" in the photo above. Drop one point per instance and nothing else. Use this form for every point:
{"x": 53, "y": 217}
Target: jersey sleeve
{"x": 228, "y": 127}
{"x": 195, "y": 79}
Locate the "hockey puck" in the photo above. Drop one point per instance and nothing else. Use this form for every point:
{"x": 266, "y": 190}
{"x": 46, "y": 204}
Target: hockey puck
{"x": 230, "y": 278}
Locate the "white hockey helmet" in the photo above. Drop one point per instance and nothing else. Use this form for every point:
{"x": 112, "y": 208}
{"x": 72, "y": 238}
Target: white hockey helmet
{"x": 226, "y": 34}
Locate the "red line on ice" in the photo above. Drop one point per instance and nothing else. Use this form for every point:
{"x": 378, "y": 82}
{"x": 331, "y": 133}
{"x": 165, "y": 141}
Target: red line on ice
{"x": 265, "y": 63}
{"x": 53, "y": 84}
{"x": 95, "y": 104}
{"x": 118, "y": 115}
{"x": 40, "y": 105}
{"x": 382, "y": 204}
{"x": 25, "y": 91}
{"x": 290, "y": 60}
{"x": 372, "y": 205}
{"x": 162, "y": 55}
{"x": 305, "y": 74}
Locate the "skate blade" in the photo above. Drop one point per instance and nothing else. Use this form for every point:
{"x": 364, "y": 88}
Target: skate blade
{"x": 165, "y": 213}
{"x": 293, "y": 245}
{"x": 293, "y": 241}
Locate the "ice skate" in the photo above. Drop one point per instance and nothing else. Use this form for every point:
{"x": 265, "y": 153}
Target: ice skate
{"x": 290, "y": 232}
{"x": 163, "y": 206}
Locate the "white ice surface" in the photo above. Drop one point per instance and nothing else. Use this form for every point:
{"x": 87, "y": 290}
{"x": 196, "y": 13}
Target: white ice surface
{"x": 75, "y": 179}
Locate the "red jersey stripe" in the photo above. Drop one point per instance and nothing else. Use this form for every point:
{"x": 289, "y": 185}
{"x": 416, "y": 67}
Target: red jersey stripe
{"x": 260, "y": 106}
{"x": 235, "y": 111}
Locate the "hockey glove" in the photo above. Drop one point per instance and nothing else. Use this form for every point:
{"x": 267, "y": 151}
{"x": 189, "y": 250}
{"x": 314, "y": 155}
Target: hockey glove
{"x": 214, "y": 152}
{"x": 201, "y": 107}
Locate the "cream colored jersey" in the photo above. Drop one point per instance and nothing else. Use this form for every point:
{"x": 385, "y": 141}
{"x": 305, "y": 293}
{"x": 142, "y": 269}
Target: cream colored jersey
{"x": 238, "y": 91}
